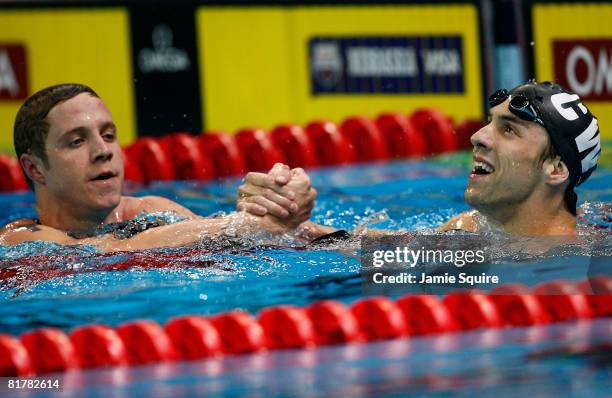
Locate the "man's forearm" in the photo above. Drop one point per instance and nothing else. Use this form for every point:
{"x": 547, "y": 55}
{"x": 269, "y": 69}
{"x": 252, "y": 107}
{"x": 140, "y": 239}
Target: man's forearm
{"x": 187, "y": 232}
{"x": 173, "y": 235}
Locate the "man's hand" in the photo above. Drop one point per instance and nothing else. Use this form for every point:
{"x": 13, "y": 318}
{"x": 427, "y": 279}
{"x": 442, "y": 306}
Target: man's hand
{"x": 263, "y": 194}
{"x": 283, "y": 193}
{"x": 305, "y": 196}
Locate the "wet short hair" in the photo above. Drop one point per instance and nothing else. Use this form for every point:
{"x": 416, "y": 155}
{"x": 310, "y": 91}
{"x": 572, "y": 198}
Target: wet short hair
{"x": 31, "y": 127}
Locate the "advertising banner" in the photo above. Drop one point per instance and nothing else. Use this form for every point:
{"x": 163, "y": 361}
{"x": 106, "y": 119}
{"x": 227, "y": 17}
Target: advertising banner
{"x": 573, "y": 46}
{"x": 165, "y": 63}
{"x": 585, "y": 67}
{"x": 13, "y": 72}
{"x": 400, "y": 65}
{"x": 262, "y": 66}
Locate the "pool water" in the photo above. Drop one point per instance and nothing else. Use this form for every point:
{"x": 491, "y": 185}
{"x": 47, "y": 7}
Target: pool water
{"x": 49, "y": 285}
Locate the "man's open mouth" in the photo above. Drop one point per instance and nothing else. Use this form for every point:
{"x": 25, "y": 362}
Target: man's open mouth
{"x": 104, "y": 176}
{"x": 482, "y": 168}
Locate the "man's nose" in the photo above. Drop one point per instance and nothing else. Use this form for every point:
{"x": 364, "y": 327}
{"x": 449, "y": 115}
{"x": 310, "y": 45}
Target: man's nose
{"x": 482, "y": 138}
{"x": 101, "y": 150}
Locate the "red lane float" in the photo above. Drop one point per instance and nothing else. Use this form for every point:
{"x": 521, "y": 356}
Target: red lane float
{"x": 221, "y": 149}
{"x": 403, "y": 138}
{"x": 366, "y": 138}
{"x": 239, "y": 332}
{"x": 11, "y": 176}
{"x": 518, "y": 307}
{"x": 50, "y": 350}
{"x": 437, "y": 129}
{"x": 194, "y": 337}
{"x": 287, "y": 326}
{"x": 465, "y": 130}
{"x": 186, "y": 157}
{"x": 150, "y": 157}
{"x": 131, "y": 171}
{"x": 379, "y": 318}
{"x": 145, "y": 342}
{"x": 14, "y": 358}
{"x": 598, "y": 292}
{"x": 333, "y": 322}
{"x": 563, "y": 300}
{"x": 426, "y": 315}
{"x": 473, "y": 310}
{"x": 259, "y": 151}
{"x": 330, "y": 146}
{"x": 294, "y": 145}
{"x": 98, "y": 346}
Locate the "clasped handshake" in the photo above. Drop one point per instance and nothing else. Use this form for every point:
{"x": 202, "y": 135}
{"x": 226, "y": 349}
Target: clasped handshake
{"x": 283, "y": 195}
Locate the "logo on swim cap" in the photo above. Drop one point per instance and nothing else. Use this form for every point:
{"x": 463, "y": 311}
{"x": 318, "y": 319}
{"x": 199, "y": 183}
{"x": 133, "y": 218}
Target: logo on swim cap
{"x": 558, "y": 100}
{"x": 573, "y": 130}
{"x": 588, "y": 142}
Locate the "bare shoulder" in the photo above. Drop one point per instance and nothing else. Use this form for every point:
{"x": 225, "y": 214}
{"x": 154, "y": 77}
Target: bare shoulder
{"x": 133, "y": 206}
{"x": 27, "y": 230}
{"x": 464, "y": 221}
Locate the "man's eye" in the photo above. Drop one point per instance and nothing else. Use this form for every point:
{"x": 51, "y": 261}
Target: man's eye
{"x": 110, "y": 137}
{"x": 508, "y": 129}
{"x": 77, "y": 142}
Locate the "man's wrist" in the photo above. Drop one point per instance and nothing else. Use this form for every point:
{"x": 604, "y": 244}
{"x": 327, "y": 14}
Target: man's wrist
{"x": 243, "y": 224}
{"x": 310, "y": 230}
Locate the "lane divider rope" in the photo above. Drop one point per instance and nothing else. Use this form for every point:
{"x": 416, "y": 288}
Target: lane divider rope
{"x": 209, "y": 155}
{"x": 194, "y": 337}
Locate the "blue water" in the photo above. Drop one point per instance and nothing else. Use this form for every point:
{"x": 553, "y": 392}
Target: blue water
{"x": 66, "y": 287}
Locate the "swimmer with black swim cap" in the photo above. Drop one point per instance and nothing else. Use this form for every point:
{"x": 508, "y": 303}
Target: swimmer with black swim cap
{"x": 541, "y": 142}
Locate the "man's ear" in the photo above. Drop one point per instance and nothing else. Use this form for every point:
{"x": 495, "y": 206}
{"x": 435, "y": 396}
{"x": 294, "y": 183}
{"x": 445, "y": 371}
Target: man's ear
{"x": 556, "y": 171}
{"x": 33, "y": 167}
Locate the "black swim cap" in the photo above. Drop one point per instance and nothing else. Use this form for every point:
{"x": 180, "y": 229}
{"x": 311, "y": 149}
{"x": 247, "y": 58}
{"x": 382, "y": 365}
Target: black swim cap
{"x": 573, "y": 130}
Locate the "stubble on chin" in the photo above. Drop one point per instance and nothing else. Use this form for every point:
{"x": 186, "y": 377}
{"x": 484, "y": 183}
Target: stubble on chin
{"x": 472, "y": 197}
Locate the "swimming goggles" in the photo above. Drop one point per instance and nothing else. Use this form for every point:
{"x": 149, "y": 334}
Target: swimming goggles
{"x": 519, "y": 105}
